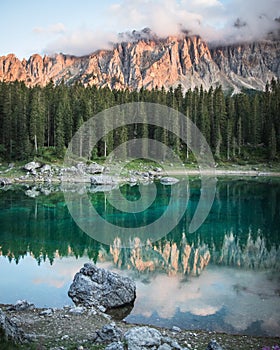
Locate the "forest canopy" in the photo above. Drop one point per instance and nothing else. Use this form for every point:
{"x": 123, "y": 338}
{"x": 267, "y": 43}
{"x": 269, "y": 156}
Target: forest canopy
{"x": 243, "y": 126}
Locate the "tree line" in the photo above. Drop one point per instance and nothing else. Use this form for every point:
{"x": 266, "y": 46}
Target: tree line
{"x": 40, "y": 121}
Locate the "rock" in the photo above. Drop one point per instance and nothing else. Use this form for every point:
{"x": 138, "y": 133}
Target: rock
{"x": 168, "y": 61}
{"x": 115, "y": 346}
{"x": 32, "y": 166}
{"x": 78, "y": 310}
{"x": 168, "y": 180}
{"x": 176, "y": 329}
{"x": 21, "y": 305}
{"x": 47, "y": 312}
{"x": 94, "y": 286}
{"x": 213, "y": 345}
{"x": 5, "y": 181}
{"x": 46, "y": 168}
{"x": 102, "y": 188}
{"x": 175, "y": 345}
{"x": 164, "y": 347}
{"x": 103, "y": 180}
{"x": 94, "y": 168}
{"x": 32, "y": 192}
{"x": 10, "y": 329}
{"x": 109, "y": 333}
{"x": 101, "y": 308}
{"x": 139, "y": 338}
{"x": 45, "y": 191}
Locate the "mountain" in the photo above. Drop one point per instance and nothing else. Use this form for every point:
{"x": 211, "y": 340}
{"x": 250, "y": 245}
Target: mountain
{"x": 148, "y": 61}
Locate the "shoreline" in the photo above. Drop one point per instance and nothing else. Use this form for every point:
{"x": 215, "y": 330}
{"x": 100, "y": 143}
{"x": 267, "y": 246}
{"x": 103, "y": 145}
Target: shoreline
{"x": 73, "y": 327}
{"x": 135, "y": 176}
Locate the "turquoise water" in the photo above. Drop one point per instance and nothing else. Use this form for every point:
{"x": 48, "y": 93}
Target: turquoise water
{"x": 223, "y": 277}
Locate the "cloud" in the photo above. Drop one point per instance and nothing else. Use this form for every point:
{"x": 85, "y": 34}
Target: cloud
{"x": 212, "y": 19}
{"x": 215, "y": 21}
{"x": 56, "y": 28}
{"x": 81, "y": 42}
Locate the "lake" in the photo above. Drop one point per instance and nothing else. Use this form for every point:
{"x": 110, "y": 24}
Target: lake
{"x": 223, "y": 277}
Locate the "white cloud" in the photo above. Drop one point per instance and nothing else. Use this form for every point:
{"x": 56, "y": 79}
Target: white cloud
{"x": 56, "y": 28}
{"x": 81, "y": 42}
{"x": 213, "y": 20}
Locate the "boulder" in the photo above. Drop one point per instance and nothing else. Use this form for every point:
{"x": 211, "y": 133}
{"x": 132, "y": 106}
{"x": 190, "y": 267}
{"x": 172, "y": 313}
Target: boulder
{"x": 94, "y": 286}
{"x": 109, "y": 333}
{"x": 32, "y": 166}
{"x": 213, "y": 345}
{"x": 22, "y": 305}
{"x": 94, "y": 168}
{"x": 5, "y": 181}
{"x": 139, "y": 338}
{"x": 168, "y": 180}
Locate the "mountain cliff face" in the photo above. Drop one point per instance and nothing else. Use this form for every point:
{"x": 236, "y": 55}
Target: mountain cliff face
{"x": 151, "y": 62}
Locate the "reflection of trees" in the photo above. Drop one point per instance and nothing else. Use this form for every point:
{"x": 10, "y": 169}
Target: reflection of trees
{"x": 241, "y": 230}
{"x": 41, "y": 226}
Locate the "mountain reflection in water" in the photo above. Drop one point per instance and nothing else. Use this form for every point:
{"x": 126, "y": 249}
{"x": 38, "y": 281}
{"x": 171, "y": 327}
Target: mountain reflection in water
{"x": 223, "y": 277}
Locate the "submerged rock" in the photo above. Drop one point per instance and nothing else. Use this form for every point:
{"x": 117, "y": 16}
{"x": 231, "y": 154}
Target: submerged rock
{"x": 168, "y": 180}
{"x": 94, "y": 286}
{"x": 103, "y": 180}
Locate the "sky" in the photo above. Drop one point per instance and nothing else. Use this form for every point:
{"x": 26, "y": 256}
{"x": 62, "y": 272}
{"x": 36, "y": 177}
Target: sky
{"x": 82, "y": 26}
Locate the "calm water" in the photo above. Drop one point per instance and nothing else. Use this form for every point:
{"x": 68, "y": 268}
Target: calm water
{"x": 224, "y": 277}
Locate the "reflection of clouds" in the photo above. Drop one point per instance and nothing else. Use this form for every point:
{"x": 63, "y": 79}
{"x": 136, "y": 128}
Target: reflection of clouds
{"x": 165, "y": 294}
{"x": 61, "y": 272}
{"x": 45, "y": 285}
{"x": 52, "y": 282}
{"x": 206, "y": 311}
{"x": 212, "y": 291}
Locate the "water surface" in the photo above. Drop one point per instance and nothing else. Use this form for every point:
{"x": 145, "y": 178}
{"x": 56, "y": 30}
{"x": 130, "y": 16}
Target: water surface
{"x": 224, "y": 277}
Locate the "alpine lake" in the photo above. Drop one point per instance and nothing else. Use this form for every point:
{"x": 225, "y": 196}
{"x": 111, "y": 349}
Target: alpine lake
{"x": 223, "y": 277}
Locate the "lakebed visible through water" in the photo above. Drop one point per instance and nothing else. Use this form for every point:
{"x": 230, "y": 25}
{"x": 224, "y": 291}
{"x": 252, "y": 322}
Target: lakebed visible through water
{"x": 224, "y": 277}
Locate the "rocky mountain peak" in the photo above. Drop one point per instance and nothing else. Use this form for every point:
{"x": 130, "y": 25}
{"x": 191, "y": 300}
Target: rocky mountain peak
{"x": 141, "y": 59}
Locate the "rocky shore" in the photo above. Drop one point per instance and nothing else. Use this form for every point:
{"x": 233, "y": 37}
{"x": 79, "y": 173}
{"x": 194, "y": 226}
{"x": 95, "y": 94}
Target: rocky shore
{"x": 98, "y": 175}
{"x": 88, "y": 324}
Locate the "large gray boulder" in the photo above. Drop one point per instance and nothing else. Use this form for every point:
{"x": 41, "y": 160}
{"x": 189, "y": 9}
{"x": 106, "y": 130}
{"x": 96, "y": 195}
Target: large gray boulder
{"x": 94, "y": 286}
